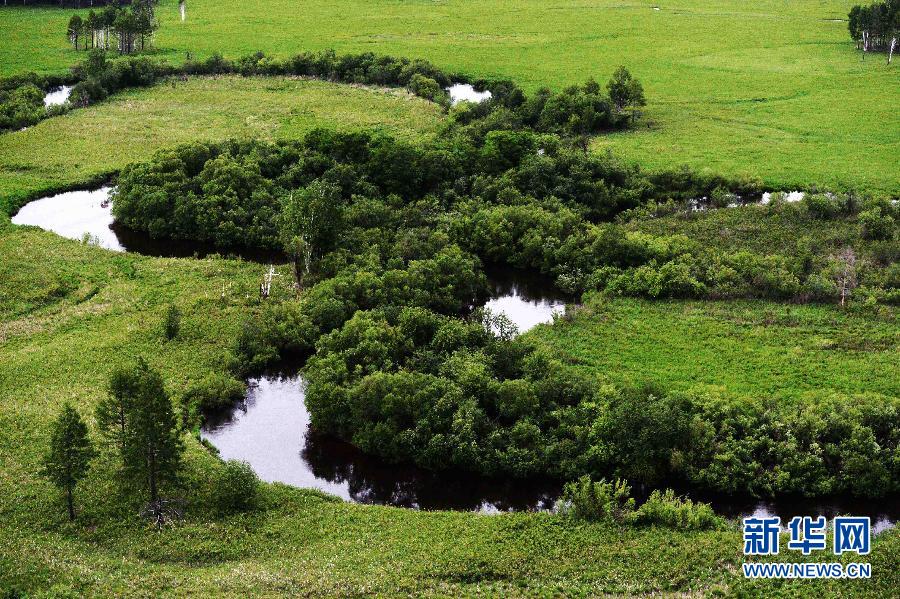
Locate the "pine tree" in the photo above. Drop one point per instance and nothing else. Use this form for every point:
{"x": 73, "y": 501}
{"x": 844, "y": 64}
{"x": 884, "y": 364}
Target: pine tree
{"x": 152, "y": 445}
{"x": 70, "y": 454}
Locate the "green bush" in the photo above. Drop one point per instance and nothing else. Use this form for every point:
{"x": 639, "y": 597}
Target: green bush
{"x": 822, "y": 205}
{"x": 670, "y": 511}
{"x": 876, "y": 225}
{"x": 597, "y": 501}
{"x": 428, "y": 88}
{"x": 214, "y": 392}
{"x": 236, "y": 488}
{"x": 172, "y": 322}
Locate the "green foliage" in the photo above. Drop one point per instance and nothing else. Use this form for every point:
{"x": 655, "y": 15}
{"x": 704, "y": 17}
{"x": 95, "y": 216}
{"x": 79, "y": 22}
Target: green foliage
{"x": 172, "y": 322}
{"x": 877, "y": 225}
{"x": 213, "y": 392}
{"x": 236, "y": 488}
{"x": 625, "y": 91}
{"x": 643, "y": 434}
{"x": 597, "y": 501}
{"x": 21, "y": 106}
{"x": 149, "y": 438}
{"x": 428, "y": 88}
{"x": 69, "y": 455}
{"x": 602, "y": 501}
{"x": 668, "y": 510}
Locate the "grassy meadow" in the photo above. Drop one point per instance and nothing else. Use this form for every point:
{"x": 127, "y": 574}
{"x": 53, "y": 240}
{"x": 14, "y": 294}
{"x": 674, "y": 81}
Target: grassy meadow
{"x": 746, "y": 349}
{"x": 768, "y": 89}
{"x": 88, "y": 143}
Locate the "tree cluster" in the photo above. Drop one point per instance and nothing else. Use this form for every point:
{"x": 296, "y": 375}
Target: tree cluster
{"x": 875, "y": 27}
{"x": 138, "y": 422}
{"x": 126, "y": 28}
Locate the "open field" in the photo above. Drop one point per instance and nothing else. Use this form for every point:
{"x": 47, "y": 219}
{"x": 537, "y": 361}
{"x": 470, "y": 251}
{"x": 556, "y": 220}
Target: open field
{"x": 769, "y": 89}
{"x": 72, "y": 312}
{"x": 738, "y": 349}
{"x": 130, "y": 126}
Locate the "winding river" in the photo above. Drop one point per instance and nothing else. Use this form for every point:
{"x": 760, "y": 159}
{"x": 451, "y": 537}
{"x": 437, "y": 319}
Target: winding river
{"x": 270, "y": 430}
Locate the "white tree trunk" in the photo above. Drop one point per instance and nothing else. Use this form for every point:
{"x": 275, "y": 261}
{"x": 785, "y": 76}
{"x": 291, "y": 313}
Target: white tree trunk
{"x": 891, "y": 51}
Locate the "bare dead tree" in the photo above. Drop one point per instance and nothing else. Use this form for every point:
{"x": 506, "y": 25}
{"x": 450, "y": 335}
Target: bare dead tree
{"x": 265, "y": 288}
{"x": 163, "y": 511}
{"x": 845, "y": 273}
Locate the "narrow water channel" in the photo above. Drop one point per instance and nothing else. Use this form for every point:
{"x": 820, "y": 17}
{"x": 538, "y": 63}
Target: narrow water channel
{"x": 57, "y": 96}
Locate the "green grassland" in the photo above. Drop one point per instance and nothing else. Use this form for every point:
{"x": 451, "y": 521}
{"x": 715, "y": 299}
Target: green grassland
{"x": 751, "y": 350}
{"x": 759, "y": 229}
{"x": 71, "y": 313}
{"x": 87, "y": 143}
{"x": 769, "y": 89}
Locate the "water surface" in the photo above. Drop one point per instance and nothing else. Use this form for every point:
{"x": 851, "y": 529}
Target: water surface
{"x": 526, "y": 299}
{"x": 74, "y": 214}
{"x": 463, "y": 92}
{"x": 57, "y": 96}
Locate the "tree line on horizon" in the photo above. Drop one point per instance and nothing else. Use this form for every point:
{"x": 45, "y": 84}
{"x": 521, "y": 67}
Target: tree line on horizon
{"x": 875, "y": 27}
{"x": 130, "y": 27}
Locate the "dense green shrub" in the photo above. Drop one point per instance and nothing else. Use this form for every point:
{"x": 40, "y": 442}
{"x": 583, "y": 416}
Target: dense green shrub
{"x": 670, "y": 511}
{"x": 21, "y": 106}
{"x": 597, "y": 501}
{"x": 236, "y": 488}
{"x": 214, "y": 392}
{"x": 877, "y": 225}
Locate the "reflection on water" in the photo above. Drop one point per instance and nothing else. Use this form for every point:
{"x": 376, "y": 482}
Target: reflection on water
{"x": 789, "y": 197}
{"x": 73, "y": 214}
{"x": 57, "y": 96}
{"x": 88, "y": 214}
{"x": 463, "y": 92}
{"x": 527, "y": 300}
{"x": 270, "y": 431}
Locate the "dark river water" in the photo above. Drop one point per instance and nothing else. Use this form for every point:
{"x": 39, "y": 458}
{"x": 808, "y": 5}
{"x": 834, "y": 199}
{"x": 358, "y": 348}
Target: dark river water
{"x": 269, "y": 429}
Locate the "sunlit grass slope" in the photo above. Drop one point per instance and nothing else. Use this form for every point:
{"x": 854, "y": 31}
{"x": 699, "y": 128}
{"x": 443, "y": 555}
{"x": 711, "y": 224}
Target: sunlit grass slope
{"x": 751, "y": 349}
{"x": 771, "y": 89}
{"x": 132, "y": 125}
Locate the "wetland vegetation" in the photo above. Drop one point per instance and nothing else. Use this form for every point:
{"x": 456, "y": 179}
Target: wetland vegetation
{"x": 376, "y": 227}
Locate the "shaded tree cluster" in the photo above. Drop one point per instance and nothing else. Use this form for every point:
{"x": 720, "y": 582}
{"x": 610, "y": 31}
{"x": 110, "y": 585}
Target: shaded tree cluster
{"x": 875, "y": 27}
{"x": 125, "y": 28}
